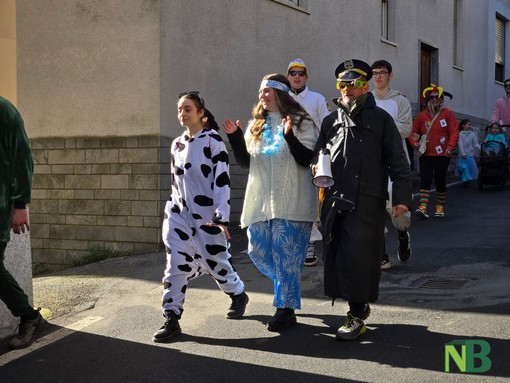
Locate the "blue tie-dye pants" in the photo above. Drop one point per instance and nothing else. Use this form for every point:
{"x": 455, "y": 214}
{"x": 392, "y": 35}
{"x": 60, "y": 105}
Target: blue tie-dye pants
{"x": 278, "y": 249}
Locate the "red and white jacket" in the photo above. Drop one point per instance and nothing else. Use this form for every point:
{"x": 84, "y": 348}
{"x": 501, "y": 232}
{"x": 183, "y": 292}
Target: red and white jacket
{"x": 443, "y": 135}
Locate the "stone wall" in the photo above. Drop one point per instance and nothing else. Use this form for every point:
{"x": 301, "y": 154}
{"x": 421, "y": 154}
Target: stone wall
{"x": 106, "y": 192}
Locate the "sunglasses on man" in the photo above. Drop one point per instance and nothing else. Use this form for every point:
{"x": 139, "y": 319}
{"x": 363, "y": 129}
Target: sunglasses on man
{"x": 300, "y": 73}
{"x": 351, "y": 84}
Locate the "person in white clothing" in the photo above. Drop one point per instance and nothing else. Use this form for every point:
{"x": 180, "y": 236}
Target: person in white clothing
{"x": 280, "y": 204}
{"x": 398, "y": 107}
{"x": 317, "y": 107}
{"x": 468, "y": 148}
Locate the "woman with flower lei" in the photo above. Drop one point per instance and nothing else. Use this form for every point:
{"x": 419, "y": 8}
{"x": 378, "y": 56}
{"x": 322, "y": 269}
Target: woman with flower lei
{"x": 280, "y": 204}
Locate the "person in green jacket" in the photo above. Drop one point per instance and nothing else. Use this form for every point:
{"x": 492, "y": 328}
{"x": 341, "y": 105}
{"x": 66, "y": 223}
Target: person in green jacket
{"x": 16, "y": 168}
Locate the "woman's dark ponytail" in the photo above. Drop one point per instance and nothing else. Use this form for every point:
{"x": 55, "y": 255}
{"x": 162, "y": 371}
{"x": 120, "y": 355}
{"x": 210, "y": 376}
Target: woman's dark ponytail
{"x": 210, "y": 120}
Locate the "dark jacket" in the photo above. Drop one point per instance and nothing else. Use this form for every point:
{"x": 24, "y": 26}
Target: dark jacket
{"x": 366, "y": 148}
{"x": 16, "y": 166}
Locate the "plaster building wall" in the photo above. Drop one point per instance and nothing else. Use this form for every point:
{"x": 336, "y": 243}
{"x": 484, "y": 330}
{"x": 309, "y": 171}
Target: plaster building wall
{"x": 8, "y": 50}
{"x": 89, "y": 89}
{"x": 98, "y": 82}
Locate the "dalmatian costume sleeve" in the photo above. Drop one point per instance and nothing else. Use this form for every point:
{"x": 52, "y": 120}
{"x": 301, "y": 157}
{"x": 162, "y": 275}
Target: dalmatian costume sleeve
{"x": 200, "y": 197}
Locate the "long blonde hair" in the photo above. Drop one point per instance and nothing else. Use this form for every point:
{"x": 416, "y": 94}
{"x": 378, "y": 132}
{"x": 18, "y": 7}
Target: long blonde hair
{"x": 286, "y": 104}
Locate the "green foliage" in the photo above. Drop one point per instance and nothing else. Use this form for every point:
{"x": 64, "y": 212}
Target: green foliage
{"x": 39, "y": 269}
{"x": 97, "y": 254}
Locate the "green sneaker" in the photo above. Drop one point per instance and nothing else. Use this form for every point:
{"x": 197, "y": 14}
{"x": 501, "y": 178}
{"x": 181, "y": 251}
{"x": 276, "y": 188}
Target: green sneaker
{"x": 352, "y": 329}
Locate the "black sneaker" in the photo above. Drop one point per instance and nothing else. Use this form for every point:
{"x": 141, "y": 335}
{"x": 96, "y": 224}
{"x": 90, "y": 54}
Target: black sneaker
{"x": 27, "y": 328}
{"x": 352, "y": 329}
{"x": 311, "y": 255}
{"x": 169, "y": 330}
{"x": 404, "y": 251}
{"x": 282, "y": 319}
{"x": 238, "y": 306}
{"x": 421, "y": 212}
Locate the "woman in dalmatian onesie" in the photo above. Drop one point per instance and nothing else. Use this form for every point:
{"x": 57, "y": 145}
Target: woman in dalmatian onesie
{"x": 194, "y": 228}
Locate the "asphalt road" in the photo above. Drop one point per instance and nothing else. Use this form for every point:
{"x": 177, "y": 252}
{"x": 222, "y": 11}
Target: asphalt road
{"x": 456, "y": 286}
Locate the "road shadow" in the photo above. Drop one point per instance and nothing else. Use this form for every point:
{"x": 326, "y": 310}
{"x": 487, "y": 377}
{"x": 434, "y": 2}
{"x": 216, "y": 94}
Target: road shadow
{"x": 84, "y": 357}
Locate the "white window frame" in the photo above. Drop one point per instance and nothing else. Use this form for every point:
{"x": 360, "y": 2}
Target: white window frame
{"x": 499, "y": 48}
{"x": 388, "y": 20}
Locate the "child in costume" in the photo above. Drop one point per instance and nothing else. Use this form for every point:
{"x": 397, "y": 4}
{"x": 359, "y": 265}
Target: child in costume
{"x": 493, "y": 140}
{"x": 468, "y": 146}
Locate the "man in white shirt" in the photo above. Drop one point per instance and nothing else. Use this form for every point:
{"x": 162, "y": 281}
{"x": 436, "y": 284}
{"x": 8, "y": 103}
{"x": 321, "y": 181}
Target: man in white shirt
{"x": 399, "y": 107}
{"x": 317, "y": 107}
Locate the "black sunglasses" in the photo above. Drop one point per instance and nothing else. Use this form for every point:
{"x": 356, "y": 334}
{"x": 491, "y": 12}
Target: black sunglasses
{"x": 434, "y": 97}
{"x": 507, "y": 85}
{"x": 193, "y": 94}
{"x": 301, "y": 73}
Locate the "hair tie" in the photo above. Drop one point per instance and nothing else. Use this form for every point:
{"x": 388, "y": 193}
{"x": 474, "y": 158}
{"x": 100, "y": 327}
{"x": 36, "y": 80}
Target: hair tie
{"x": 274, "y": 84}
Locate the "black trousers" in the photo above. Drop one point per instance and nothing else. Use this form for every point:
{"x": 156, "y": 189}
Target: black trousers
{"x": 434, "y": 168}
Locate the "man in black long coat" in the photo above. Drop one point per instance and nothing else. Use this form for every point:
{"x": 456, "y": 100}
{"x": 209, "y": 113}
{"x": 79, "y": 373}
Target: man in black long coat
{"x": 365, "y": 148}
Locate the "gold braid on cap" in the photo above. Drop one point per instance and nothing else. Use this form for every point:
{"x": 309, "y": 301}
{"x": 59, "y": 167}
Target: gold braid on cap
{"x": 359, "y": 71}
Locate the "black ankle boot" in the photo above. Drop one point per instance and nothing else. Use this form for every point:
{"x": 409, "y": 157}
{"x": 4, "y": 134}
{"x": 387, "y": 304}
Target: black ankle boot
{"x": 238, "y": 306}
{"x": 282, "y": 319}
{"x": 169, "y": 330}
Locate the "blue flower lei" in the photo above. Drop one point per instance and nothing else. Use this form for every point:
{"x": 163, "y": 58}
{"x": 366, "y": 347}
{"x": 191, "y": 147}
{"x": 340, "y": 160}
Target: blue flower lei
{"x": 271, "y": 142}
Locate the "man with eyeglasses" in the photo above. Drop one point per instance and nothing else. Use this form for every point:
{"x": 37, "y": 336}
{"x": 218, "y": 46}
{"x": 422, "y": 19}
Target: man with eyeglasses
{"x": 317, "y": 107}
{"x": 365, "y": 148}
{"x": 501, "y": 110}
{"x": 399, "y": 108}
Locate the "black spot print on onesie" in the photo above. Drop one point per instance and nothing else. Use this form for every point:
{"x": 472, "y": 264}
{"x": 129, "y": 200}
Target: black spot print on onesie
{"x": 211, "y": 229}
{"x": 203, "y": 200}
{"x": 178, "y": 171}
{"x": 220, "y": 157}
{"x": 223, "y": 180}
{"x": 182, "y": 235}
{"x": 212, "y": 264}
{"x": 185, "y": 268}
{"x": 207, "y": 152}
{"x": 215, "y": 249}
{"x": 188, "y": 257}
{"x": 206, "y": 170}
{"x": 187, "y": 165}
{"x": 222, "y": 272}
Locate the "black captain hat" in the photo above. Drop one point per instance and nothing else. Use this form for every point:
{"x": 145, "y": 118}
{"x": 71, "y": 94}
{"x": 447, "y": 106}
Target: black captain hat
{"x": 352, "y": 70}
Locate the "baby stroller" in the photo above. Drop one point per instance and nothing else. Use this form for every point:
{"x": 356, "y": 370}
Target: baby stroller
{"x": 493, "y": 165}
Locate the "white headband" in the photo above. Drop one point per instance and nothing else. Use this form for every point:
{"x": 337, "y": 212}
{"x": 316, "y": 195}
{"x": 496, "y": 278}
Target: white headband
{"x": 274, "y": 84}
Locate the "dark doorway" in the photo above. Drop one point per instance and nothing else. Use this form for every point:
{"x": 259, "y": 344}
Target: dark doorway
{"x": 429, "y": 58}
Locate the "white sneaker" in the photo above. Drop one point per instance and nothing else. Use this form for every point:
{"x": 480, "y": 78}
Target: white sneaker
{"x": 311, "y": 255}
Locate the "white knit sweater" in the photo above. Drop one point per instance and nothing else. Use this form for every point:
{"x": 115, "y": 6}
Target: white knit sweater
{"x": 277, "y": 186}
